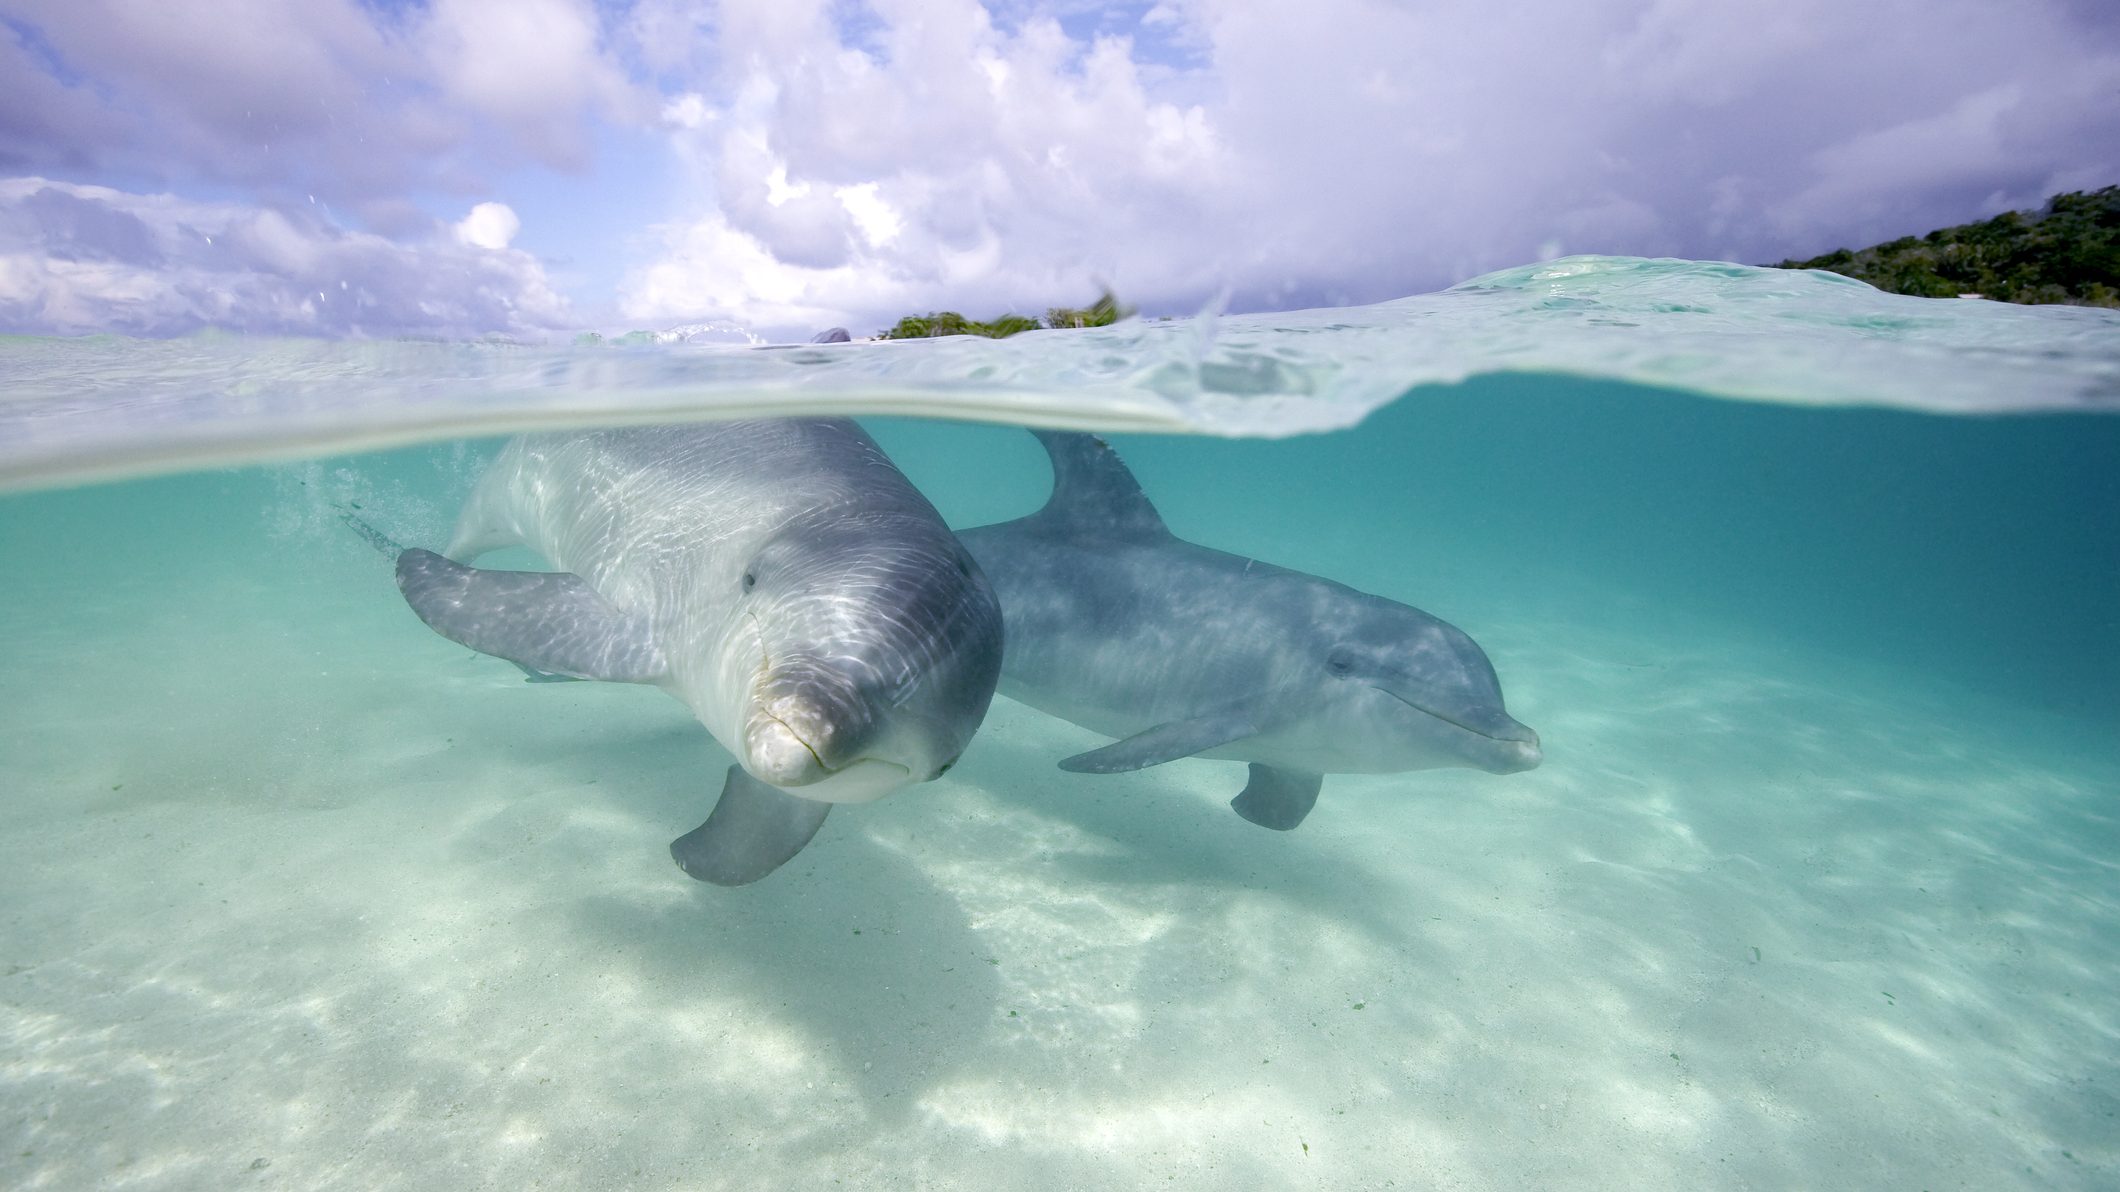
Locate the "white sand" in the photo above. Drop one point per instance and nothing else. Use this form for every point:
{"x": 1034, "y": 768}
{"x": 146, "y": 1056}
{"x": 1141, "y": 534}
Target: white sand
{"x": 298, "y": 895}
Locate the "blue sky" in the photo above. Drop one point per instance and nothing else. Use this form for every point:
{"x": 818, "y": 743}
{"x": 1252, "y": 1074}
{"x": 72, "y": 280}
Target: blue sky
{"x": 335, "y": 167}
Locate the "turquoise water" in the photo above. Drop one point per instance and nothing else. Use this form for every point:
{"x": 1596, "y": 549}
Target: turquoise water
{"x": 1816, "y": 887}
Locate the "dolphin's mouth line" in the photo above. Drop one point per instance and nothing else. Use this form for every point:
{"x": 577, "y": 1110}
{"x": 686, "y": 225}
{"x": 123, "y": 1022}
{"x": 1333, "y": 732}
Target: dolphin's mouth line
{"x": 806, "y": 746}
{"x": 765, "y": 666}
{"x": 1452, "y": 722}
{"x": 830, "y": 771}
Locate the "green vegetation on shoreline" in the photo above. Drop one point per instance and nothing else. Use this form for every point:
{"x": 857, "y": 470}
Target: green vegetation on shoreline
{"x": 1103, "y": 312}
{"x": 2069, "y": 252}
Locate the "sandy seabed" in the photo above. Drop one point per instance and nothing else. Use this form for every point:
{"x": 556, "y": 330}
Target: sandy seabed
{"x": 297, "y": 894}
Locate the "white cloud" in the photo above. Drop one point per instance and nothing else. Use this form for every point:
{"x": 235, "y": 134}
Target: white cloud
{"x": 357, "y": 102}
{"x": 710, "y": 270}
{"x": 666, "y": 35}
{"x": 2012, "y": 144}
{"x": 833, "y": 162}
{"x": 878, "y": 222}
{"x": 958, "y": 162}
{"x": 686, "y": 111}
{"x": 532, "y": 66}
{"x": 1341, "y": 150}
{"x": 77, "y": 259}
{"x": 490, "y": 225}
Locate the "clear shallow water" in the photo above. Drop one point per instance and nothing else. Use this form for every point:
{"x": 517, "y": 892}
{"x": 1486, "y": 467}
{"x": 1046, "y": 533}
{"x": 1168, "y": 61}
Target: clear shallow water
{"x": 1816, "y": 887}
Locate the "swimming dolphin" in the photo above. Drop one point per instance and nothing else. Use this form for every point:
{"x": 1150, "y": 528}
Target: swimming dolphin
{"x": 779, "y": 577}
{"x": 1116, "y": 624}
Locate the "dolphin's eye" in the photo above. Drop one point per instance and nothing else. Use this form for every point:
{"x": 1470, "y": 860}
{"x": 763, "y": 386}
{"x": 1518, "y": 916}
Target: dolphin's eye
{"x": 1340, "y": 662}
{"x": 750, "y": 580}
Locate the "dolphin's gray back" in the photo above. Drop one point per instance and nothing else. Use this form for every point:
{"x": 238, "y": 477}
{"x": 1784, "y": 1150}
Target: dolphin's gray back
{"x": 1111, "y": 633}
{"x": 1111, "y": 620}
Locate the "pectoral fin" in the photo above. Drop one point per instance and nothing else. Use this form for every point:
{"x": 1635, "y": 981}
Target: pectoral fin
{"x": 1277, "y": 799}
{"x": 1165, "y": 742}
{"x": 753, "y": 831}
{"x": 543, "y": 621}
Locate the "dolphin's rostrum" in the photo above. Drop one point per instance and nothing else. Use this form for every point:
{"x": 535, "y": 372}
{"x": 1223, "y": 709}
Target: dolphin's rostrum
{"x": 1118, "y": 625}
{"x": 779, "y": 577}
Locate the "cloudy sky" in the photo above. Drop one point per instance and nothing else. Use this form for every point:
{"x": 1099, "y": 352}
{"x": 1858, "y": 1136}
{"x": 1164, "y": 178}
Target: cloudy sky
{"x": 462, "y": 166}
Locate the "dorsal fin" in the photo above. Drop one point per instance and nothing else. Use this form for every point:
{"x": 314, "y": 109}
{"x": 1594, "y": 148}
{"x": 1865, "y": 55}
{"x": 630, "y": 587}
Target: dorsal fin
{"x": 1093, "y": 491}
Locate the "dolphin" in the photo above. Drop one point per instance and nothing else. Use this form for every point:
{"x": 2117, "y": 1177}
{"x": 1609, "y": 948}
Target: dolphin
{"x": 1120, "y": 626}
{"x": 779, "y": 577}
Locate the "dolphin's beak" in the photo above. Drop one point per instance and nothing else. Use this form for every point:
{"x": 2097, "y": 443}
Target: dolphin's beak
{"x": 1515, "y": 745}
{"x": 806, "y": 722}
{"x": 1518, "y": 753}
{"x": 775, "y": 754}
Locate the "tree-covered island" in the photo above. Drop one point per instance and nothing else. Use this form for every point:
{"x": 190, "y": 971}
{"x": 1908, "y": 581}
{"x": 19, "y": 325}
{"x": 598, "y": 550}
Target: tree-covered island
{"x": 1101, "y": 313}
{"x": 2069, "y": 252}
